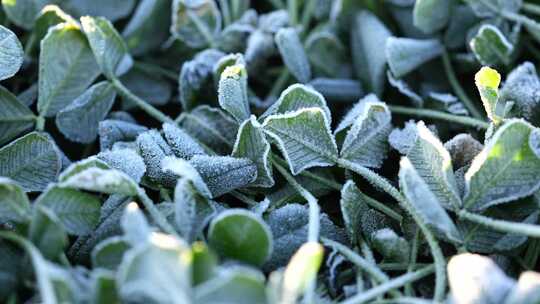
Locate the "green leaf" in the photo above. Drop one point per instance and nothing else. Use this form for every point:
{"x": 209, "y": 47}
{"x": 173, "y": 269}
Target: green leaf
{"x": 521, "y": 87}
{"x": 491, "y": 47}
{"x": 153, "y": 149}
{"x": 79, "y": 121}
{"x": 369, "y": 34}
{"x": 23, "y": 12}
{"x": 109, "y": 253}
{"x": 32, "y": 161}
{"x": 77, "y": 211}
{"x": 47, "y": 233}
{"x": 66, "y": 68}
{"x": 14, "y": 203}
{"x": 251, "y": 143}
{"x": 304, "y": 138}
{"x": 434, "y": 165}
{"x": 192, "y": 211}
{"x": 326, "y": 52}
{"x": 405, "y": 55}
{"x": 366, "y": 142}
{"x": 431, "y": 15}
{"x": 78, "y": 167}
{"x": 15, "y": 117}
{"x": 112, "y": 10}
{"x": 194, "y": 22}
{"x": 182, "y": 168}
{"x": 391, "y": 246}
{"x": 12, "y": 55}
{"x": 233, "y": 92}
{"x": 136, "y": 229}
{"x": 241, "y": 235}
{"x": 125, "y": 160}
{"x": 204, "y": 263}
{"x": 505, "y": 170}
{"x": 109, "y": 48}
{"x": 104, "y": 288}
{"x": 293, "y": 54}
{"x": 181, "y": 143}
{"x": 424, "y": 203}
{"x": 101, "y": 180}
{"x": 487, "y": 82}
{"x": 235, "y": 284}
{"x": 165, "y": 261}
{"x": 48, "y": 17}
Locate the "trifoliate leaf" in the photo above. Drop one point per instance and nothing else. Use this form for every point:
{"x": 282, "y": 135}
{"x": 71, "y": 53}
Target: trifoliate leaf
{"x": 112, "y": 131}
{"x": 491, "y": 47}
{"x": 405, "y": 55}
{"x": 487, "y": 82}
{"x": 95, "y": 179}
{"x": 32, "y": 161}
{"x": 77, "y": 211}
{"x": 195, "y": 22}
{"x": 233, "y": 92}
{"x": 223, "y": 174}
{"x": 340, "y": 90}
{"x": 424, "y": 203}
{"x": 304, "y": 138}
{"x": 15, "y": 117}
{"x": 14, "y": 203}
{"x": 505, "y": 170}
{"x": 109, "y": 253}
{"x": 12, "y": 55}
{"x": 181, "y": 143}
{"x": 192, "y": 211}
{"x": 477, "y": 279}
{"x": 293, "y": 54}
{"x": 109, "y": 48}
{"x": 366, "y": 142}
{"x": 391, "y": 246}
{"x": 164, "y": 261}
{"x": 153, "y": 150}
{"x": 112, "y": 10}
{"x": 252, "y": 144}
{"x": 241, "y": 235}
{"x": 125, "y": 160}
{"x": 67, "y": 68}
{"x": 79, "y": 121}
{"x": 522, "y": 86}
{"x": 431, "y": 15}
{"x": 47, "y": 233}
{"x": 369, "y": 35}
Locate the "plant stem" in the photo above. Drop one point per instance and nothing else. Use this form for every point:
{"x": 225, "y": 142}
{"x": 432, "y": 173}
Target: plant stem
{"x": 246, "y": 199}
{"x": 409, "y": 291}
{"x": 436, "y": 252}
{"x": 40, "y": 123}
{"x": 307, "y": 14}
{"x": 464, "y": 120}
{"x": 531, "y": 8}
{"x": 158, "y": 218}
{"x": 323, "y": 180}
{"x": 456, "y": 86}
{"x": 225, "y": 11}
{"x": 384, "y": 209}
{"x": 501, "y": 225}
{"x": 292, "y": 7}
{"x": 390, "y": 285}
{"x": 145, "y": 106}
{"x": 154, "y": 68}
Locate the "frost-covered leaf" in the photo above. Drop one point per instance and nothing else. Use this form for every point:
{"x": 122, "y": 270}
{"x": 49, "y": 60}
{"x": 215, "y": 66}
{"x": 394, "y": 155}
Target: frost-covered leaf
{"x": 79, "y": 121}
{"x": 110, "y": 50}
{"x": 212, "y": 127}
{"x": 183, "y": 168}
{"x": 195, "y": 22}
{"x": 260, "y": 46}
{"x": 47, "y": 233}
{"x": 67, "y": 68}
{"x": 77, "y": 211}
{"x": 233, "y": 92}
{"x": 326, "y": 52}
{"x": 96, "y": 179}
{"x": 446, "y": 102}
{"x": 522, "y": 86}
{"x": 12, "y": 55}
{"x": 463, "y": 148}
{"x": 404, "y": 88}
{"x": 527, "y": 289}
{"x": 289, "y": 225}
{"x": 147, "y": 85}
{"x": 125, "y": 160}
{"x": 424, "y": 203}
{"x": 153, "y": 150}
{"x": 112, "y": 131}
{"x": 32, "y": 161}
{"x": 353, "y": 207}
{"x": 348, "y": 119}
{"x": 137, "y": 231}
{"x": 405, "y": 55}
{"x": 403, "y": 139}
{"x": 293, "y": 54}
{"x": 490, "y": 46}
{"x": 251, "y": 143}
{"x": 23, "y": 12}
{"x": 304, "y": 138}
{"x": 505, "y": 170}
{"x": 487, "y": 82}
{"x": 109, "y": 253}
{"x": 112, "y": 10}
{"x": 297, "y": 97}
{"x": 369, "y": 35}
{"x": 477, "y": 279}
{"x": 15, "y": 117}
{"x": 391, "y": 246}
{"x": 192, "y": 211}
{"x": 434, "y": 165}
{"x": 223, "y": 174}
{"x": 48, "y": 17}
{"x": 163, "y": 262}
{"x": 77, "y": 167}
{"x": 181, "y": 143}
{"x": 490, "y": 8}
{"x": 241, "y": 235}
{"x": 431, "y": 15}
{"x": 461, "y": 20}
{"x": 338, "y": 89}
{"x": 366, "y": 142}
{"x": 14, "y": 203}
{"x": 234, "y": 37}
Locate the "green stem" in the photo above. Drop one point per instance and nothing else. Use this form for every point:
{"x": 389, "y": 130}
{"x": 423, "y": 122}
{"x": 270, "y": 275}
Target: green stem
{"x": 154, "y": 68}
{"x": 30, "y": 44}
{"x": 244, "y": 198}
{"x": 307, "y": 14}
{"x": 533, "y": 25}
{"x": 531, "y": 8}
{"x": 390, "y": 285}
{"x": 40, "y": 123}
{"x": 292, "y": 7}
{"x": 456, "y": 86}
{"x": 225, "y": 11}
{"x": 402, "y": 266}
{"x": 145, "y": 106}
{"x": 158, "y": 218}
{"x": 384, "y": 209}
{"x": 464, "y": 120}
{"x": 436, "y": 252}
{"x": 409, "y": 291}
{"x": 501, "y": 225}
